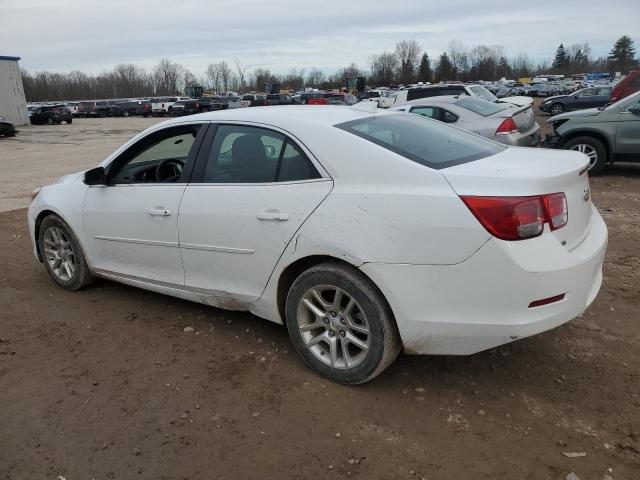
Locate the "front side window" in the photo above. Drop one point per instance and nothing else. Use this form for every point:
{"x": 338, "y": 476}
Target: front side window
{"x": 241, "y": 154}
{"x": 428, "y": 143}
{"x": 160, "y": 157}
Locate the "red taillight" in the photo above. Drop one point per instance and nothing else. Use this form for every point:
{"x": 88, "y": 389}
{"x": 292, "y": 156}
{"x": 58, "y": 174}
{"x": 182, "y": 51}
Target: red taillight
{"x": 197, "y": 106}
{"x": 557, "y": 211}
{"x": 506, "y": 127}
{"x": 518, "y": 218}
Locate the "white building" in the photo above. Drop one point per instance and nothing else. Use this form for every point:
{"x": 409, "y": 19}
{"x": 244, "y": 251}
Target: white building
{"x": 13, "y": 105}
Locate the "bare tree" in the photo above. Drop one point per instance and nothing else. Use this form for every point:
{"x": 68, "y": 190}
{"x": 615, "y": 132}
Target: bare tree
{"x": 383, "y": 68}
{"x": 408, "y": 54}
{"x": 315, "y": 77}
{"x": 166, "y": 76}
{"x": 241, "y": 68}
{"x": 213, "y": 74}
{"x": 225, "y": 74}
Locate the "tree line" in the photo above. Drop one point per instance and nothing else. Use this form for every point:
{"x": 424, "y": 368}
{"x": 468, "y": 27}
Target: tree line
{"x": 406, "y": 63}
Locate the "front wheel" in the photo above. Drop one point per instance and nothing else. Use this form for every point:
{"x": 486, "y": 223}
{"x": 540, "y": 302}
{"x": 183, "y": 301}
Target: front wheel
{"x": 61, "y": 254}
{"x": 557, "y": 109}
{"x": 592, "y": 148}
{"x": 340, "y": 324}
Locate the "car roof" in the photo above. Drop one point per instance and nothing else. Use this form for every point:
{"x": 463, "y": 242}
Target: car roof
{"x": 287, "y": 117}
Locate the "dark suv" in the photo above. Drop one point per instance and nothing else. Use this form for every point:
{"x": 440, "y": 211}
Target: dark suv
{"x": 50, "y": 114}
{"x": 279, "y": 99}
{"x": 127, "y": 109}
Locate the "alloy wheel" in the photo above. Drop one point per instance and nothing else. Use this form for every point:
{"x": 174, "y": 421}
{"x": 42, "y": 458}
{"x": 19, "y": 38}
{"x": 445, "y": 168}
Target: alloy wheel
{"x": 588, "y": 150}
{"x": 59, "y": 254}
{"x": 557, "y": 110}
{"x": 333, "y": 326}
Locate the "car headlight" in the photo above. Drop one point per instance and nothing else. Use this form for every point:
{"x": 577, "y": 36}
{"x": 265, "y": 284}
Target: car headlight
{"x": 35, "y": 193}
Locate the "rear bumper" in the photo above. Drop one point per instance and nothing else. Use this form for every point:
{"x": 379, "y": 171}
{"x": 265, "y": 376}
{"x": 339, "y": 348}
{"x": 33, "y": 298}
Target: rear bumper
{"x": 484, "y": 301}
{"x": 531, "y": 138}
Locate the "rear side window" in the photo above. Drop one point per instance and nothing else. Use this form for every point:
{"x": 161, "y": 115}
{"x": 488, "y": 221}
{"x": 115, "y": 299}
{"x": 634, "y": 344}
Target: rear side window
{"x": 481, "y": 106}
{"x": 429, "y": 143}
{"x": 242, "y": 154}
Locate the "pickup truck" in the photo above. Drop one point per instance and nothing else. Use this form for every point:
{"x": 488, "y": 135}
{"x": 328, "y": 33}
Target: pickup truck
{"x": 201, "y": 105}
{"x": 127, "y": 109}
{"x": 161, "y": 106}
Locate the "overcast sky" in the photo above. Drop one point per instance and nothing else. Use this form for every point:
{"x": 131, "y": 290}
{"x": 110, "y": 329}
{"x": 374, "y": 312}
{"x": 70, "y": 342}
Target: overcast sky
{"x": 94, "y": 35}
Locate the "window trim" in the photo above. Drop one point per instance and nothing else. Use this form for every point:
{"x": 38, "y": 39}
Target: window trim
{"x": 200, "y": 164}
{"x": 138, "y": 145}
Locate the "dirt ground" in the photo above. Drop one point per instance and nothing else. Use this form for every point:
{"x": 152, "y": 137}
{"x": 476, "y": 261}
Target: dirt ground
{"x": 105, "y": 384}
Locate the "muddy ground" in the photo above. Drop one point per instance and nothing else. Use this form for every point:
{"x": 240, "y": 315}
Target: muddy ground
{"x": 105, "y": 384}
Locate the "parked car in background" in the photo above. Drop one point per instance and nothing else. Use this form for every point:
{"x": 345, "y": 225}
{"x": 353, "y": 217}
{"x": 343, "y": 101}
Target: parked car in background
{"x": 626, "y": 86}
{"x": 257, "y": 213}
{"x": 501, "y": 122}
{"x": 333, "y": 98}
{"x": 73, "y": 108}
{"x": 605, "y": 135}
{"x": 50, "y": 114}
{"x": 201, "y": 105}
{"x": 161, "y": 106}
{"x": 256, "y": 100}
{"x": 86, "y": 109}
{"x": 306, "y": 97}
{"x": 585, "y": 98}
{"x": 279, "y": 99}
{"x": 131, "y": 108}
{"x": 403, "y": 96}
{"x": 7, "y": 128}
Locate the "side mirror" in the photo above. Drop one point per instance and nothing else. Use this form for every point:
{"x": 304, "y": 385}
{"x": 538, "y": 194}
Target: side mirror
{"x": 635, "y": 110}
{"x": 95, "y": 176}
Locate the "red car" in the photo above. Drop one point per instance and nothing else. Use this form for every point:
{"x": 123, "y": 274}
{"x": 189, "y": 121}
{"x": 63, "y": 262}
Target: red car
{"x": 625, "y": 87}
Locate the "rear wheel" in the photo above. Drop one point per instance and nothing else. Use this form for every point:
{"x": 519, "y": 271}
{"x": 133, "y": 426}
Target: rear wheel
{"x": 341, "y": 324}
{"x": 62, "y": 255}
{"x": 592, "y": 148}
{"x": 557, "y": 109}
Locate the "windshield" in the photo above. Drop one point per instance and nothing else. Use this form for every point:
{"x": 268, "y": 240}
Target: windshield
{"x": 425, "y": 141}
{"x": 483, "y": 93}
{"x": 481, "y": 106}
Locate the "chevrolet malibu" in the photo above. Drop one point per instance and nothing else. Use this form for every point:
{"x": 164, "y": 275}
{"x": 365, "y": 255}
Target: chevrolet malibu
{"x": 364, "y": 232}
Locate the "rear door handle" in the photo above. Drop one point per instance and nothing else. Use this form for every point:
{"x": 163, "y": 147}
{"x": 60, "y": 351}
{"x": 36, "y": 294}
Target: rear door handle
{"x": 273, "y": 215}
{"x": 159, "y": 212}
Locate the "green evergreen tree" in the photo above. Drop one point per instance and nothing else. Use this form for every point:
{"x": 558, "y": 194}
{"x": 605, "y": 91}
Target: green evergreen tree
{"x": 445, "y": 68}
{"x": 561, "y": 60}
{"x": 424, "y": 72}
{"x": 622, "y": 55}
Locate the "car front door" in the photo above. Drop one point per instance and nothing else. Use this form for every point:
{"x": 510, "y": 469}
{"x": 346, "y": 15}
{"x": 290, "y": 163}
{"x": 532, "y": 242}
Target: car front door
{"x": 131, "y": 223}
{"x": 252, "y": 190}
{"x": 628, "y": 132}
{"x": 583, "y": 99}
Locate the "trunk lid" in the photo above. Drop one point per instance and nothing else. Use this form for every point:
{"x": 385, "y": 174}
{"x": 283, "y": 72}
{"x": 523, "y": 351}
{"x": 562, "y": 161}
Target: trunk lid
{"x": 524, "y": 119}
{"x": 526, "y": 172}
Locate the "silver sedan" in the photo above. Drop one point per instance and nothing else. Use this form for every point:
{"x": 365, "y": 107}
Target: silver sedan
{"x": 502, "y": 122}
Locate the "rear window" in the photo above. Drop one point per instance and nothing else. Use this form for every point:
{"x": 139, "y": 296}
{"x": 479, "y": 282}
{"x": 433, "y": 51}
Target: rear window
{"x": 425, "y": 141}
{"x": 273, "y": 96}
{"x": 481, "y": 107}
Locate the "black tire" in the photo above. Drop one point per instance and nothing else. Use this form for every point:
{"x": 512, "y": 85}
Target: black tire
{"x": 70, "y": 121}
{"x": 596, "y": 166}
{"x": 125, "y": 113}
{"x": 556, "y": 108}
{"x": 102, "y": 114}
{"x": 81, "y": 276}
{"x": 383, "y": 337}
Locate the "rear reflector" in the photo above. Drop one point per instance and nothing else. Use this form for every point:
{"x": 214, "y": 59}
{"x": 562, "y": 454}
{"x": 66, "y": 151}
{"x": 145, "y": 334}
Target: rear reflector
{"x": 518, "y": 218}
{"x": 546, "y": 301}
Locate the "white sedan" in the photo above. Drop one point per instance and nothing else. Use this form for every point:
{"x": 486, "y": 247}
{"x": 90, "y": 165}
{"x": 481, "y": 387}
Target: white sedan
{"x": 363, "y": 231}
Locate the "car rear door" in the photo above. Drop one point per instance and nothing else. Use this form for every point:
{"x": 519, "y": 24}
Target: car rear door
{"x": 252, "y": 190}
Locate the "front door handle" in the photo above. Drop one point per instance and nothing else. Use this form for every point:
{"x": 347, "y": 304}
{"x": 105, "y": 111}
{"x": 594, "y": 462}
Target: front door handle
{"x": 159, "y": 212}
{"x": 273, "y": 215}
